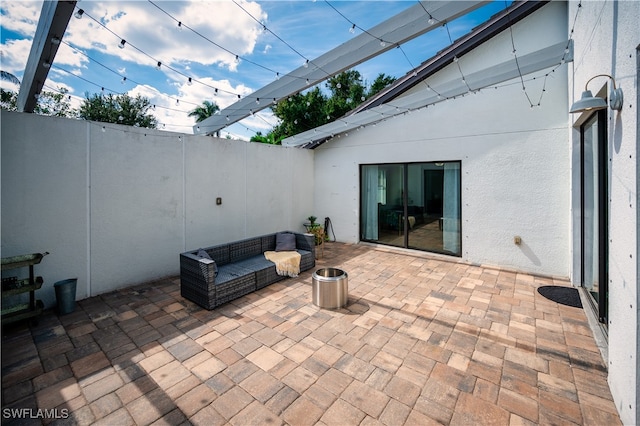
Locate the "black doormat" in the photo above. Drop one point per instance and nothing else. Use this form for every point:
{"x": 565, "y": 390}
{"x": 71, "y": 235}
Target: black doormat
{"x": 568, "y": 296}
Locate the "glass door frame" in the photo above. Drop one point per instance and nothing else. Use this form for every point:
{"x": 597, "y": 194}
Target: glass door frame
{"x": 601, "y": 305}
{"x": 405, "y": 205}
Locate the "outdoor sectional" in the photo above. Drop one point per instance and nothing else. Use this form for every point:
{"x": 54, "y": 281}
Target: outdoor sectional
{"x": 241, "y": 269}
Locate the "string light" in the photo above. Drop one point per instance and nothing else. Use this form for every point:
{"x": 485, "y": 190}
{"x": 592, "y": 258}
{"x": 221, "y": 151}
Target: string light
{"x": 306, "y": 64}
{"x": 189, "y": 81}
{"x": 352, "y": 29}
{"x": 180, "y": 25}
{"x": 98, "y": 22}
{"x": 158, "y": 65}
{"x": 122, "y": 43}
{"x": 79, "y": 14}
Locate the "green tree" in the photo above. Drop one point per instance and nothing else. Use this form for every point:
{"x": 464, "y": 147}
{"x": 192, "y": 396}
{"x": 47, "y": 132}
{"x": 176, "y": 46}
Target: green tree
{"x": 55, "y": 104}
{"x": 8, "y": 100}
{"x": 204, "y": 111}
{"x": 49, "y": 103}
{"x": 121, "y": 109}
{"x": 347, "y": 91}
{"x": 300, "y": 112}
{"x": 380, "y": 82}
{"x": 268, "y": 138}
{"x": 306, "y": 111}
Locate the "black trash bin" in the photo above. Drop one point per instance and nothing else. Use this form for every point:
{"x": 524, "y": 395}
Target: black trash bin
{"x": 66, "y": 295}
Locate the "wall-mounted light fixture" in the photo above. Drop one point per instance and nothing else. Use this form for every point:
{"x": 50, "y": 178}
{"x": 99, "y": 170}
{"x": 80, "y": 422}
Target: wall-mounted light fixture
{"x": 590, "y": 103}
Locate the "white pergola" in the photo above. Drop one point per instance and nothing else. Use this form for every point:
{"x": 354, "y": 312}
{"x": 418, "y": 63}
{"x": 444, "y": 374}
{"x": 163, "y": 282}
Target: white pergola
{"x": 526, "y": 64}
{"x": 407, "y": 25}
{"x": 52, "y": 24}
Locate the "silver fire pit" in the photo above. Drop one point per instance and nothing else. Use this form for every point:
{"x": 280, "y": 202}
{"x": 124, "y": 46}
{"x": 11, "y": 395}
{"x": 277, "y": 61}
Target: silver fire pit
{"x": 330, "y": 288}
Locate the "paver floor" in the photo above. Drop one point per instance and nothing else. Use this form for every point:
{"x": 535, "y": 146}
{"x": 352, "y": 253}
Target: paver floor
{"x": 422, "y": 341}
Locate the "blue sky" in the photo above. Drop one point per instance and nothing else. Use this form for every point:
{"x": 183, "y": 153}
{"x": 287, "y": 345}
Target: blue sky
{"x": 89, "y": 58}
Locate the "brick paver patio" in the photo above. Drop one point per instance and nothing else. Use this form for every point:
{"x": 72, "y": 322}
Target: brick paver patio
{"x": 423, "y": 341}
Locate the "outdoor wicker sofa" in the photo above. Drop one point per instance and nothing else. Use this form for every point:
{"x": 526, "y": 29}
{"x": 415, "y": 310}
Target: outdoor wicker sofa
{"x": 238, "y": 268}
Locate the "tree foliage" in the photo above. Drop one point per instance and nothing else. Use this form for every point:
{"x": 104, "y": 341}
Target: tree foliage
{"x": 55, "y": 104}
{"x": 121, "y": 109}
{"x": 204, "y": 111}
{"x": 304, "y": 111}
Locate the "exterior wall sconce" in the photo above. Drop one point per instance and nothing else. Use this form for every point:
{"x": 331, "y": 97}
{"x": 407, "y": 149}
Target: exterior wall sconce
{"x": 590, "y": 103}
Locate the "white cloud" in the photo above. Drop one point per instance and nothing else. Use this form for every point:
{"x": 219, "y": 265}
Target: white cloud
{"x": 14, "y": 56}
{"x": 156, "y": 34}
{"x": 176, "y": 117}
{"x": 21, "y": 16}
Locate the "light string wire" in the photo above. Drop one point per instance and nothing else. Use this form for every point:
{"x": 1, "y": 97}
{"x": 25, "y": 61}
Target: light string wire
{"x": 398, "y": 45}
{"x": 125, "y": 78}
{"x": 265, "y": 28}
{"x": 217, "y": 89}
{"x": 239, "y": 57}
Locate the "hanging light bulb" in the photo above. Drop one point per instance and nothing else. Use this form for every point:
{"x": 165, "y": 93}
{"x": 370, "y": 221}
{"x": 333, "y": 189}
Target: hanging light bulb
{"x": 455, "y": 59}
{"x": 56, "y": 41}
{"x": 277, "y": 76}
{"x": 154, "y": 107}
{"x": 180, "y": 25}
{"x": 338, "y": 85}
{"x": 431, "y": 21}
{"x": 238, "y": 96}
{"x": 120, "y": 118}
{"x": 104, "y": 129}
{"x": 79, "y": 14}
{"x": 46, "y": 64}
{"x": 237, "y": 59}
{"x": 158, "y": 65}
{"x": 307, "y": 81}
{"x": 189, "y": 81}
{"x": 124, "y": 80}
{"x": 122, "y": 43}
{"x": 228, "y": 118}
{"x": 383, "y": 43}
{"x": 215, "y": 92}
{"x": 352, "y": 29}
{"x": 177, "y": 102}
{"x": 257, "y": 101}
{"x": 251, "y": 112}
{"x": 306, "y": 64}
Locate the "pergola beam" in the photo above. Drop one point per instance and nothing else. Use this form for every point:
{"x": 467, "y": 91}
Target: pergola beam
{"x": 395, "y": 31}
{"x": 496, "y": 74}
{"x": 52, "y": 24}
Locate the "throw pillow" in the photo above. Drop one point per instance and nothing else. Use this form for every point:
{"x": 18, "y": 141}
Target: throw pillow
{"x": 203, "y": 253}
{"x": 285, "y": 241}
{"x": 205, "y": 258}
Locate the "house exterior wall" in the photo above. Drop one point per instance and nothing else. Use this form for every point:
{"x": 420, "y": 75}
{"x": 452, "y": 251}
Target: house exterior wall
{"x": 606, "y": 40}
{"x": 115, "y": 208}
{"x": 515, "y": 159}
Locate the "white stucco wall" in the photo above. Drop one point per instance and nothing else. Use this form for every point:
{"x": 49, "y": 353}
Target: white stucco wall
{"x": 116, "y": 207}
{"x": 606, "y": 38}
{"x": 515, "y": 159}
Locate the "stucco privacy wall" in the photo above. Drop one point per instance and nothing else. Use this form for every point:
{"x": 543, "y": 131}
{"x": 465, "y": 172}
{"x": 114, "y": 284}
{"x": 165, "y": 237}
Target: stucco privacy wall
{"x": 515, "y": 159}
{"x": 115, "y": 208}
{"x": 606, "y": 38}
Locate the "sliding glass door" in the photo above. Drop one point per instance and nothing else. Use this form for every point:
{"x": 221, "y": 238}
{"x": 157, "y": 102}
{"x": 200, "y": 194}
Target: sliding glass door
{"x": 594, "y": 212}
{"x": 414, "y": 205}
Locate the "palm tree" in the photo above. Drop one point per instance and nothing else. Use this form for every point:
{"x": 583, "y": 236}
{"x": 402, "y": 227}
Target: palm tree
{"x": 204, "y": 111}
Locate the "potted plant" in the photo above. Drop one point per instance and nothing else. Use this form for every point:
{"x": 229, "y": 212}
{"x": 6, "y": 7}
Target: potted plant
{"x": 315, "y": 229}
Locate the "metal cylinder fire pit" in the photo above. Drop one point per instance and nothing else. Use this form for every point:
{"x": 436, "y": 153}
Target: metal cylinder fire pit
{"x": 330, "y": 288}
